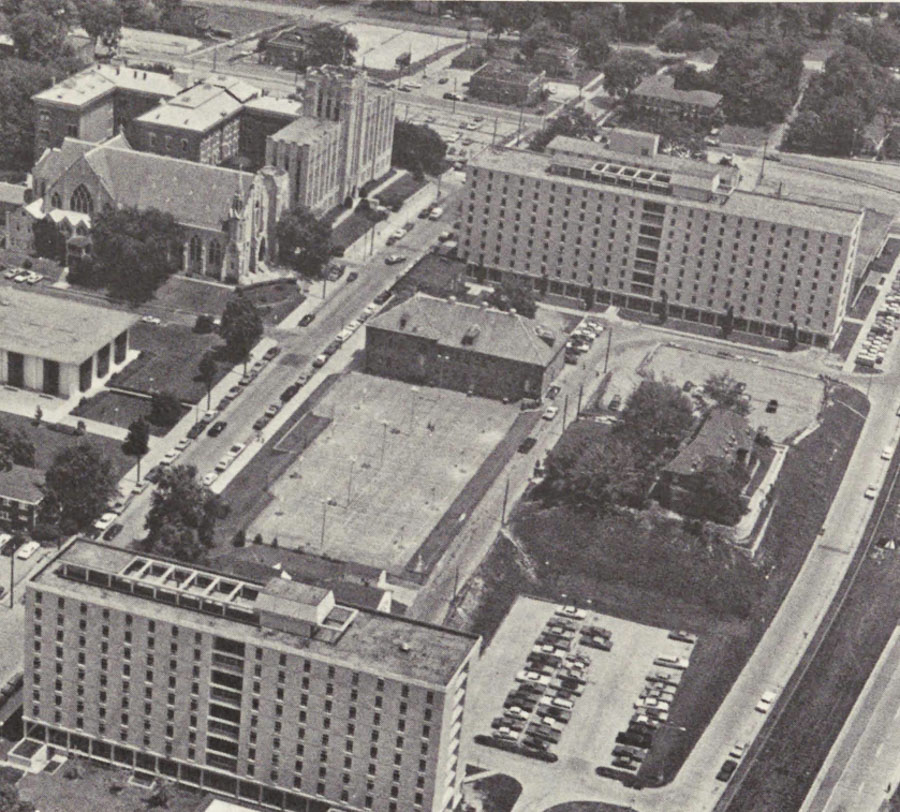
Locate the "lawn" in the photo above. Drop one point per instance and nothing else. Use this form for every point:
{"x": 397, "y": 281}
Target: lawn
{"x": 588, "y": 806}
{"x": 47, "y": 443}
{"x": 243, "y": 20}
{"x": 168, "y": 361}
{"x": 885, "y": 260}
{"x": 350, "y": 230}
{"x": 275, "y": 300}
{"x": 863, "y": 303}
{"x": 103, "y": 788}
{"x": 437, "y": 276}
{"x": 743, "y": 136}
{"x": 846, "y": 339}
{"x": 398, "y": 192}
{"x": 182, "y": 294}
{"x": 119, "y": 409}
{"x": 645, "y": 588}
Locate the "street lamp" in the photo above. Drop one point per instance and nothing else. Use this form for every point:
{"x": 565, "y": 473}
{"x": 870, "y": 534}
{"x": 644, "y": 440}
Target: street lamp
{"x": 384, "y": 424}
{"x": 350, "y": 480}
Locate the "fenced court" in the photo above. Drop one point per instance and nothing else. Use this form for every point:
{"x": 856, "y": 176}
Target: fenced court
{"x": 381, "y": 462}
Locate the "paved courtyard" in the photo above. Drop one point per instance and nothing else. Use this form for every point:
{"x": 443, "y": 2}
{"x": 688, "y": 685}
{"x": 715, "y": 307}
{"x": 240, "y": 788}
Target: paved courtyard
{"x": 375, "y": 482}
{"x": 380, "y": 45}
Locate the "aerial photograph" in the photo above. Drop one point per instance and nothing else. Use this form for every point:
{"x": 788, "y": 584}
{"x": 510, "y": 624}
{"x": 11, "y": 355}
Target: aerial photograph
{"x": 448, "y": 406}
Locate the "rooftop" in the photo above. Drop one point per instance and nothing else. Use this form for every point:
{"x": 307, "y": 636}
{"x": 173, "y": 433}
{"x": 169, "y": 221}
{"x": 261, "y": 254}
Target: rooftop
{"x": 662, "y": 86}
{"x": 723, "y": 434}
{"x": 56, "y": 329}
{"x": 754, "y": 205}
{"x": 198, "y": 108}
{"x": 476, "y": 328}
{"x": 275, "y": 104}
{"x": 203, "y": 599}
{"x": 97, "y": 81}
{"x": 305, "y": 129}
{"x": 12, "y": 193}
{"x": 505, "y": 71}
{"x": 22, "y": 484}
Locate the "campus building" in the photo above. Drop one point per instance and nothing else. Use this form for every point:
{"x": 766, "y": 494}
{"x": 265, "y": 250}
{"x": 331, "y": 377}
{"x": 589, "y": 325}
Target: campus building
{"x": 627, "y": 226}
{"x": 97, "y": 103}
{"x": 343, "y": 140}
{"x": 228, "y": 217}
{"x": 506, "y": 83}
{"x": 269, "y": 692}
{"x": 290, "y": 48}
{"x": 58, "y": 346}
{"x": 20, "y": 497}
{"x": 470, "y": 348}
{"x": 658, "y": 95}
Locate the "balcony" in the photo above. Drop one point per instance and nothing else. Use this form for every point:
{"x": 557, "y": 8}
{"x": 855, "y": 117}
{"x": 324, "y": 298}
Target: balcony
{"x": 228, "y": 697}
{"x": 234, "y": 664}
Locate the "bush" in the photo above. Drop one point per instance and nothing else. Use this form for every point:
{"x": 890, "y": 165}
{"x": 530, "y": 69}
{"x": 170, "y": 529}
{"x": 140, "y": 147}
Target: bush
{"x": 27, "y": 264}
{"x": 204, "y": 324}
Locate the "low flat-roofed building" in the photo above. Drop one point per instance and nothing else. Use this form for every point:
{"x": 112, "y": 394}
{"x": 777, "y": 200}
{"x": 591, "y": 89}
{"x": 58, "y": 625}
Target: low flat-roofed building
{"x": 20, "y": 497}
{"x": 289, "y": 48}
{"x": 59, "y": 346}
{"x": 556, "y": 59}
{"x": 266, "y": 691}
{"x": 506, "y": 83}
{"x": 657, "y": 95}
{"x": 470, "y": 348}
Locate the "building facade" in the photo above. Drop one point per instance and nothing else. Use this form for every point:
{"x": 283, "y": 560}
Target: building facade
{"x": 636, "y": 229}
{"x": 20, "y": 497}
{"x": 503, "y": 83}
{"x": 96, "y": 104}
{"x": 266, "y": 692}
{"x": 657, "y": 95}
{"x": 57, "y": 346}
{"x": 486, "y": 352}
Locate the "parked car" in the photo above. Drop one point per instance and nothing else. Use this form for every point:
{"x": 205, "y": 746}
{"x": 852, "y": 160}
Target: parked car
{"x": 671, "y": 661}
{"x": 527, "y": 444}
{"x": 765, "y": 701}
{"x": 871, "y": 492}
{"x": 288, "y": 393}
{"x": 105, "y": 521}
{"x": 382, "y": 297}
{"x": 272, "y": 352}
{"x": 193, "y": 433}
{"x": 217, "y": 428}
{"x": 683, "y": 637}
{"x": 550, "y": 412}
{"x": 113, "y": 531}
{"x": 260, "y": 423}
{"x": 772, "y": 406}
{"x": 154, "y": 473}
{"x": 571, "y": 612}
{"x": 211, "y": 477}
{"x": 394, "y": 259}
{"x": 320, "y": 361}
{"x": 273, "y": 409}
{"x": 27, "y": 550}
{"x": 307, "y": 319}
{"x": 150, "y": 320}
{"x": 140, "y": 487}
{"x": 615, "y": 403}
{"x": 726, "y": 770}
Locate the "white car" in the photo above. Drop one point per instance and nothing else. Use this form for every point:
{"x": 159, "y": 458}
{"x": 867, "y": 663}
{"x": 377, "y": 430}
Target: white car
{"x": 737, "y": 751}
{"x": 572, "y": 611}
{"x": 533, "y": 676}
{"x": 671, "y": 661}
{"x": 105, "y": 521}
{"x": 222, "y": 464}
{"x": 871, "y": 492}
{"x": 12, "y": 273}
{"x": 27, "y": 550}
{"x": 765, "y": 701}
{"x": 550, "y": 412}
{"x": 140, "y": 487}
{"x": 34, "y": 278}
{"x": 683, "y": 637}
{"x": 557, "y": 702}
{"x": 183, "y": 443}
{"x": 236, "y": 449}
{"x": 343, "y": 335}
{"x": 170, "y": 457}
{"x": 21, "y": 276}
{"x": 887, "y": 452}
{"x": 150, "y": 320}
{"x": 211, "y": 477}
{"x": 353, "y": 326}
{"x": 437, "y": 212}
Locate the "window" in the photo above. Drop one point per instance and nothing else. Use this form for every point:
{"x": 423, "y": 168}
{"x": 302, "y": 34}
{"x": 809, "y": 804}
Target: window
{"x": 81, "y": 200}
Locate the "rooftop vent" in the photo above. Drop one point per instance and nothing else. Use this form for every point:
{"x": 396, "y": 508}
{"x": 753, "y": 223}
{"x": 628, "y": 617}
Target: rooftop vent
{"x": 403, "y": 646}
{"x": 404, "y": 319}
{"x": 471, "y": 334}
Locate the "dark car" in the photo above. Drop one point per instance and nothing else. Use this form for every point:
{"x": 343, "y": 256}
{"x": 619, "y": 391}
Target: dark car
{"x": 527, "y": 444}
{"x": 216, "y": 428}
{"x": 382, "y": 297}
{"x": 261, "y": 422}
{"x": 272, "y": 352}
{"x": 615, "y": 403}
{"x": 307, "y": 319}
{"x": 726, "y": 770}
{"x": 553, "y": 391}
{"x": 772, "y": 406}
{"x": 154, "y": 473}
{"x": 332, "y": 348}
{"x": 195, "y": 431}
{"x": 290, "y": 392}
{"x": 352, "y": 276}
{"x": 113, "y": 531}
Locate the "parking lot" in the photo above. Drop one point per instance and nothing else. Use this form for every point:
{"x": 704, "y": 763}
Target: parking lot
{"x": 799, "y": 397}
{"x": 880, "y": 334}
{"x": 613, "y": 680}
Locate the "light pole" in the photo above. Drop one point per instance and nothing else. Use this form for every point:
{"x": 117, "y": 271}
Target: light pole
{"x": 384, "y": 424}
{"x": 324, "y": 514}
{"x": 350, "y": 480}
{"x": 608, "y": 345}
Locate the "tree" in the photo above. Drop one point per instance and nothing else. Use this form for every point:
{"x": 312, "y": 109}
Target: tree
{"x": 137, "y": 443}
{"x": 241, "y": 326}
{"x": 9, "y": 798}
{"x": 330, "y": 45}
{"x": 19, "y": 81}
{"x": 656, "y": 419}
{"x": 77, "y": 486}
{"x": 102, "y": 20}
{"x": 728, "y": 321}
{"x": 592, "y": 33}
{"x": 418, "y": 148}
{"x": 182, "y": 517}
{"x": 539, "y": 35}
{"x": 574, "y": 123}
{"x": 304, "y": 242}
{"x": 691, "y": 35}
{"x": 37, "y": 36}
{"x": 49, "y": 241}
{"x": 15, "y": 448}
{"x": 165, "y": 409}
{"x": 206, "y": 372}
{"x": 513, "y": 295}
{"x": 239, "y": 539}
{"x": 204, "y": 324}
{"x": 728, "y": 393}
{"x": 624, "y": 71}
{"x": 715, "y": 495}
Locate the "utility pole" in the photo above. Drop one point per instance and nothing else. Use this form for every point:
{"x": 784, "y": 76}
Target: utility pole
{"x": 494, "y": 136}
{"x": 505, "y": 499}
{"x": 324, "y": 513}
{"x": 580, "y": 393}
{"x": 12, "y": 577}
{"x": 608, "y": 345}
{"x": 565, "y": 411}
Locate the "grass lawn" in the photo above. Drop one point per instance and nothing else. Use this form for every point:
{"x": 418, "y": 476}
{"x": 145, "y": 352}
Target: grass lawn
{"x": 642, "y": 589}
{"x": 588, "y": 806}
{"x": 101, "y": 788}
{"x": 863, "y": 303}
{"x": 350, "y": 230}
{"x": 168, "y": 361}
{"x": 47, "y": 443}
{"x": 744, "y": 136}
{"x": 398, "y": 192}
{"x": 275, "y": 299}
{"x": 182, "y": 294}
{"x": 845, "y": 340}
{"x": 119, "y": 409}
{"x": 498, "y": 792}
{"x": 436, "y": 275}
{"x": 242, "y": 21}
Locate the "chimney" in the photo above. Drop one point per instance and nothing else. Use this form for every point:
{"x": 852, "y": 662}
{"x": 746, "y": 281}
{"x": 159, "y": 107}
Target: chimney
{"x": 403, "y": 321}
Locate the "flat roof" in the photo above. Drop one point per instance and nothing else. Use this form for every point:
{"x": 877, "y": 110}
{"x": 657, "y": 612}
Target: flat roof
{"x": 506, "y": 71}
{"x": 55, "y": 328}
{"x": 373, "y": 641}
{"x": 275, "y": 104}
{"x": 739, "y": 203}
{"x": 22, "y": 484}
{"x": 305, "y": 129}
{"x": 198, "y": 108}
{"x": 100, "y": 79}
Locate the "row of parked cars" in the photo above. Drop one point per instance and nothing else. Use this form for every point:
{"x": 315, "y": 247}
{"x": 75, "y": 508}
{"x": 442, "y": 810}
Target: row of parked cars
{"x": 581, "y": 338}
{"x": 349, "y": 329}
{"x": 17, "y": 546}
{"x": 652, "y": 707}
{"x": 880, "y": 334}
{"x": 538, "y": 708}
{"x": 22, "y": 275}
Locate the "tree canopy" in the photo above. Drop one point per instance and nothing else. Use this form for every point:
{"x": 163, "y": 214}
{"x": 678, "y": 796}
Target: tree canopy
{"x": 182, "y": 518}
{"x": 656, "y": 418}
{"x": 573, "y": 122}
{"x": 165, "y": 409}
{"x": 15, "y": 448}
{"x": 331, "y": 45}
{"x": 19, "y": 81}
{"x": 137, "y": 442}
{"x": 102, "y": 20}
{"x": 304, "y": 242}
{"x": 418, "y": 148}
{"x": 715, "y": 495}
{"x": 77, "y": 486}
{"x": 513, "y": 295}
{"x": 624, "y": 71}
{"x": 726, "y": 392}
{"x": 242, "y": 326}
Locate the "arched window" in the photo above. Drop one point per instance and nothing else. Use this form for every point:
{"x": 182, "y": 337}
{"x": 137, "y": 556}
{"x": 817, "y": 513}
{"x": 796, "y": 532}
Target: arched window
{"x": 55, "y": 201}
{"x": 196, "y": 250}
{"x": 214, "y": 256}
{"x": 82, "y": 200}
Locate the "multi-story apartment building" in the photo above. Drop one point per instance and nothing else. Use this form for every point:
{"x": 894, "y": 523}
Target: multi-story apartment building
{"x": 628, "y": 226}
{"x": 658, "y": 95}
{"x": 269, "y": 692}
{"x": 506, "y": 83}
{"x": 21, "y": 495}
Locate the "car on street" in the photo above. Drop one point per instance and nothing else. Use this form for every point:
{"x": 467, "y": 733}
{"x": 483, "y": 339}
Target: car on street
{"x": 217, "y": 428}
{"x": 671, "y": 661}
{"x": 871, "y": 492}
{"x": 765, "y": 701}
{"x": 222, "y": 464}
{"x": 307, "y": 320}
{"x": 352, "y": 276}
{"x": 332, "y": 348}
{"x": 737, "y": 751}
{"x": 194, "y": 432}
{"x": 526, "y": 445}
{"x": 154, "y": 473}
{"x": 320, "y": 361}
{"x": 382, "y": 297}
{"x": 553, "y": 391}
{"x": 150, "y": 320}
{"x": 683, "y": 637}
{"x": 211, "y": 477}
{"x": 302, "y": 379}
{"x": 288, "y": 393}
{"x": 272, "y": 353}
{"x": 113, "y": 531}
{"x": 27, "y": 550}
{"x": 21, "y": 276}
{"x": 550, "y": 412}
{"x": 273, "y": 409}
{"x": 260, "y": 423}
{"x": 394, "y": 259}
{"x": 887, "y": 452}
{"x": 183, "y": 443}
{"x": 140, "y": 487}
{"x": 169, "y": 457}
{"x": 105, "y": 521}
{"x": 726, "y": 770}
{"x": 12, "y": 273}
{"x": 772, "y": 406}
{"x": 615, "y": 403}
